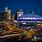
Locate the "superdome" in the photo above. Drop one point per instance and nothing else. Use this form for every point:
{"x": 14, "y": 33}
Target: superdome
{"x": 29, "y": 17}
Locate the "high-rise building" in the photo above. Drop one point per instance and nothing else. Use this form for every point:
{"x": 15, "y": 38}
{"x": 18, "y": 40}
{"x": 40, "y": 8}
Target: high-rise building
{"x": 6, "y": 15}
{"x": 30, "y": 18}
{"x": 3, "y": 16}
{"x": 19, "y": 13}
{"x": 9, "y": 14}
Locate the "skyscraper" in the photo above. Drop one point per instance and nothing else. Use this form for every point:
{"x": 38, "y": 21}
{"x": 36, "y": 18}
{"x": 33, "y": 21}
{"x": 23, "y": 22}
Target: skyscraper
{"x": 19, "y": 13}
{"x": 6, "y": 15}
{"x": 9, "y": 14}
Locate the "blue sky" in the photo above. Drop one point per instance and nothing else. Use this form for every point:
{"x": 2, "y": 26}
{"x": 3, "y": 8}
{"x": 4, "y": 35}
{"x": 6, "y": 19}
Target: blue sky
{"x": 27, "y": 5}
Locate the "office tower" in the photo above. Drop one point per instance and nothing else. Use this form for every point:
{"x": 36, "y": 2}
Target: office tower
{"x": 6, "y": 15}
{"x": 19, "y": 13}
{"x": 9, "y": 14}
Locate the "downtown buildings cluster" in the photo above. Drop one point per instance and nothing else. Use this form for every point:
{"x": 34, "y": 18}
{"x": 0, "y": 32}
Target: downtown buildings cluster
{"x": 30, "y": 23}
{"x": 19, "y": 16}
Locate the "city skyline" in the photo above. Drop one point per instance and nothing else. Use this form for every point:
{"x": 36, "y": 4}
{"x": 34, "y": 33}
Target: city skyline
{"x": 26, "y": 5}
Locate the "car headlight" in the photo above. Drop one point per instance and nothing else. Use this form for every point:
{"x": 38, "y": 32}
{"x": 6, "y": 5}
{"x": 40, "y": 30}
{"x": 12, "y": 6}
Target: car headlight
{"x": 34, "y": 37}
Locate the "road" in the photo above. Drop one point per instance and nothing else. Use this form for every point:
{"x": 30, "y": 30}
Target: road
{"x": 12, "y": 35}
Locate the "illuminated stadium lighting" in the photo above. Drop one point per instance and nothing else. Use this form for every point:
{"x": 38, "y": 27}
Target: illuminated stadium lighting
{"x": 31, "y": 18}
{"x": 23, "y": 18}
{"x": 28, "y": 18}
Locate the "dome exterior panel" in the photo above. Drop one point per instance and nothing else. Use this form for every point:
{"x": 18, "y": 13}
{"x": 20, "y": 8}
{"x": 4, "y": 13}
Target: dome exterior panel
{"x": 30, "y": 15}
{"x": 29, "y": 18}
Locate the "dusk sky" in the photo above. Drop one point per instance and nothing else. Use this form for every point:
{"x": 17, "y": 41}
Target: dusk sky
{"x": 26, "y": 5}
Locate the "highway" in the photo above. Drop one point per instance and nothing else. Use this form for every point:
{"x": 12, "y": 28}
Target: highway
{"x": 12, "y": 35}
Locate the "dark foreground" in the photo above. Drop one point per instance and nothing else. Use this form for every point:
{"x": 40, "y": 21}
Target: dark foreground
{"x": 15, "y": 40}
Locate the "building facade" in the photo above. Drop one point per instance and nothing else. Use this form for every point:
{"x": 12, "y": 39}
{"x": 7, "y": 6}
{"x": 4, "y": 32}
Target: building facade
{"x": 27, "y": 18}
{"x": 6, "y": 15}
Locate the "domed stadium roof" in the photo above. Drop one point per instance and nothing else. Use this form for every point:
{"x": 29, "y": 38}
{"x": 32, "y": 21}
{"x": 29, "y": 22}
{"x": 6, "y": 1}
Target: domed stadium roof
{"x": 30, "y": 16}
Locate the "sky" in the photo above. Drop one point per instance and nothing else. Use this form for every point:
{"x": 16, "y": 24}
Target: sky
{"x": 26, "y": 5}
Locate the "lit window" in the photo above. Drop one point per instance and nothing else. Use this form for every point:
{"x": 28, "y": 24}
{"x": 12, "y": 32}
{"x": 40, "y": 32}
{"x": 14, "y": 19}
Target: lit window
{"x": 9, "y": 18}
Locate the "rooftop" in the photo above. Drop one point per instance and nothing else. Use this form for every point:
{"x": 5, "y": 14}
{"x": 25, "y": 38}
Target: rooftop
{"x": 30, "y": 16}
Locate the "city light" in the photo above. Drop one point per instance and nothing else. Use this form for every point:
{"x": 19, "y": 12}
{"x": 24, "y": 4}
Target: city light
{"x": 27, "y": 25}
{"x": 23, "y": 23}
{"x": 30, "y": 18}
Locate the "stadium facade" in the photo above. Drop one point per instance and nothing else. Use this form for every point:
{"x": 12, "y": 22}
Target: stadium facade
{"x": 30, "y": 18}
